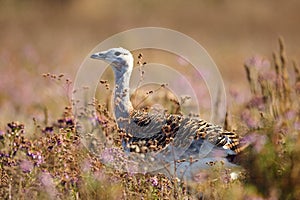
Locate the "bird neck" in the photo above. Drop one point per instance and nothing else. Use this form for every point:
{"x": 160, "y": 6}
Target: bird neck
{"x": 122, "y": 104}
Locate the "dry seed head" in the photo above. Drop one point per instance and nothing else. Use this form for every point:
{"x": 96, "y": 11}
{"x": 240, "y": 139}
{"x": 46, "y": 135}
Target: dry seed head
{"x": 297, "y": 71}
{"x": 247, "y": 72}
{"x": 282, "y": 51}
{"x": 284, "y": 73}
{"x": 276, "y": 63}
{"x": 250, "y": 72}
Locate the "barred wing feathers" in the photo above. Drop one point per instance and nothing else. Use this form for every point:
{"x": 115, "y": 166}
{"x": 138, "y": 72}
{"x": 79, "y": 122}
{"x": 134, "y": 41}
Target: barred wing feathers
{"x": 152, "y": 132}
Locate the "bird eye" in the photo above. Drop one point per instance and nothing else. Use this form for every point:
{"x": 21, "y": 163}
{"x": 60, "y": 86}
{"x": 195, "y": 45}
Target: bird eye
{"x": 117, "y": 53}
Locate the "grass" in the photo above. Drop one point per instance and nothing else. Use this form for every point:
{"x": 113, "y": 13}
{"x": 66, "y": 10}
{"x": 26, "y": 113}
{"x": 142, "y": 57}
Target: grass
{"x": 50, "y": 162}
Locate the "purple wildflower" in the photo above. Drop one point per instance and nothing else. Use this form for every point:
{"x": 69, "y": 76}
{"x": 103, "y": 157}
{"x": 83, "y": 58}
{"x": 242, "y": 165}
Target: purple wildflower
{"x": 48, "y": 184}
{"x": 26, "y": 166}
{"x": 100, "y": 175}
{"x": 37, "y": 157}
{"x": 291, "y": 114}
{"x": 236, "y": 96}
{"x": 256, "y": 140}
{"x": 257, "y": 102}
{"x": 249, "y": 119}
{"x": 107, "y": 155}
{"x": 297, "y": 125}
{"x": 258, "y": 62}
{"x": 48, "y": 129}
{"x": 267, "y": 76}
{"x": 154, "y": 181}
{"x": 70, "y": 122}
{"x": 86, "y": 165}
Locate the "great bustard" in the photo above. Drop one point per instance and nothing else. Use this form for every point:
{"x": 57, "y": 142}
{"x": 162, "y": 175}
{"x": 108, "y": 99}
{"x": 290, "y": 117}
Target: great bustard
{"x": 146, "y": 132}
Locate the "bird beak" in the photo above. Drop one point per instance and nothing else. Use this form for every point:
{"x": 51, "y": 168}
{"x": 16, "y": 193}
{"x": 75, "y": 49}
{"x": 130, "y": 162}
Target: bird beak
{"x": 99, "y": 56}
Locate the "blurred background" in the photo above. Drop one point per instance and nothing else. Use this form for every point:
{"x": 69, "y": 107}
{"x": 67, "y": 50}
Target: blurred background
{"x": 40, "y": 37}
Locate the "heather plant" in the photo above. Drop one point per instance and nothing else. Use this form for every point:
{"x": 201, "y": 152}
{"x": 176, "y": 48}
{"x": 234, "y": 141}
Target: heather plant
{"x": 52, "y": 163}
{"x": 272, "y": 117}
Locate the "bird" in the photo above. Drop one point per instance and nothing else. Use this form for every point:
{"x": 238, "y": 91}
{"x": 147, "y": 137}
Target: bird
{"x": 173, "y": 136}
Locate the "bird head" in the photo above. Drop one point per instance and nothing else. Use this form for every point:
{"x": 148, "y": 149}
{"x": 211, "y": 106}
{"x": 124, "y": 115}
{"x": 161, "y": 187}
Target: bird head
{"x": 120, "y": 59}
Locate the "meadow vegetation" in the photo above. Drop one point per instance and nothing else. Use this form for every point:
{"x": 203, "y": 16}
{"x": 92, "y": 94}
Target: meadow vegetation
{"x": 41, "y": 153}
{"x": 51, "y": 162}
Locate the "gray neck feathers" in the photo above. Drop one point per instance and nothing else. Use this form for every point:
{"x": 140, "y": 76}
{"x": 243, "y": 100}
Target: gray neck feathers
{"x": 122, "y": 104}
